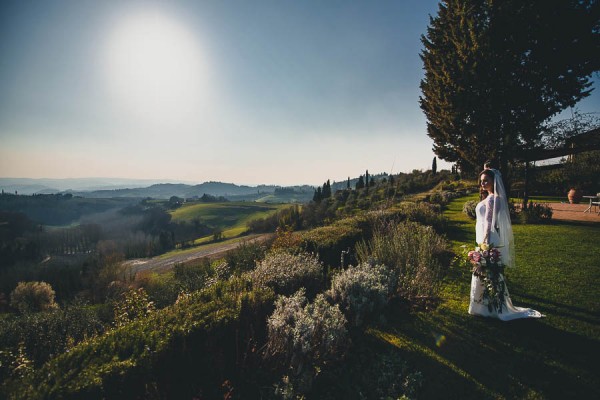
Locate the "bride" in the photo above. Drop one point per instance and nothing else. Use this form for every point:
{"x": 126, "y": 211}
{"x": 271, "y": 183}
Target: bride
{"x": 493, "y": 227}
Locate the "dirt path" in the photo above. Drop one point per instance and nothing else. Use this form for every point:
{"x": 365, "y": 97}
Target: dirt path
{"x": 161, "y": 263}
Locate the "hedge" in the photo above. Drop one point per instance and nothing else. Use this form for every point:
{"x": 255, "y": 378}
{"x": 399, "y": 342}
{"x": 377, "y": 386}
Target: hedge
{"x": 329, "y": 241}
{"x": 185, "y": 350}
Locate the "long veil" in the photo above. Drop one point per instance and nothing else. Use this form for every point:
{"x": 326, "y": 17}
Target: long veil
{"x": 501, "y": 221}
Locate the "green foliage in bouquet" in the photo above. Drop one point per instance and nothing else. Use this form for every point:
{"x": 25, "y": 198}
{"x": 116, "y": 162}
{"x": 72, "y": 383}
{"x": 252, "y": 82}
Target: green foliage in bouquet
{"x": 487, "y": 265}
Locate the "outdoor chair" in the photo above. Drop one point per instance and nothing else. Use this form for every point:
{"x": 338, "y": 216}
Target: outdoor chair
{"x": 596, "y": 204}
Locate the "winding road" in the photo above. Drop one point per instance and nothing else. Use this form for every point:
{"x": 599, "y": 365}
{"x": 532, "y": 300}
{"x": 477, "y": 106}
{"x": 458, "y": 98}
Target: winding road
{"x": 164, "y": 263}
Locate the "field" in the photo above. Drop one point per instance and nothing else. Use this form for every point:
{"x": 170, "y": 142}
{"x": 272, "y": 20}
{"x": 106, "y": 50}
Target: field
{"x": 230, "y": 217}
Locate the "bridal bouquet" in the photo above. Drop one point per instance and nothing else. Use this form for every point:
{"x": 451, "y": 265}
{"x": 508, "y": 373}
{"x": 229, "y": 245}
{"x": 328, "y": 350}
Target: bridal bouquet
{"x": 487, "y": 265}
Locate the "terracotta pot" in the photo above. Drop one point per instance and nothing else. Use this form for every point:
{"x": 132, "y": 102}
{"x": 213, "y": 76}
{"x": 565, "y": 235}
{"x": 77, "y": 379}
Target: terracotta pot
{"x": 574, "y": 196}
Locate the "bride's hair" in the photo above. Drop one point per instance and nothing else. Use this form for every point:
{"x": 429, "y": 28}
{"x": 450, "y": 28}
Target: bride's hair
{"x": 483, "y": 194}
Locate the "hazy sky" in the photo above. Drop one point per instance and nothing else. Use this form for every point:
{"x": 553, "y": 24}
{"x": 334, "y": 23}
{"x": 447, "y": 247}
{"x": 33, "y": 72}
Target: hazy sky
{"x": 249, "y": 92}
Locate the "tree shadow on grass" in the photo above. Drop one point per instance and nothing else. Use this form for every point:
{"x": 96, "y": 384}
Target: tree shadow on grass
{"x": 575, "y": 223}
{"x": 456, "y": 230}
{"x": 487, "y": 358}
{"x": 543, "y": 304}
{"x": 564, "y": 310}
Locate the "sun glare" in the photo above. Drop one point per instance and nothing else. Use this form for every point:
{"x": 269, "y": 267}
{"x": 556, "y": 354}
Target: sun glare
{"x": 155, "y": 68}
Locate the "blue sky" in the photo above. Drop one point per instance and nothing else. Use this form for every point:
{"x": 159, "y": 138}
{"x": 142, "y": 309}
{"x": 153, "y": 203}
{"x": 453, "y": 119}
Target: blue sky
{"x": 250, "y": 92}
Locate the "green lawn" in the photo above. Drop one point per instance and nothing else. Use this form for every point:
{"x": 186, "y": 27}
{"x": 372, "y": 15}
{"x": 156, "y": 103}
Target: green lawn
{"x": 467, "y": 357}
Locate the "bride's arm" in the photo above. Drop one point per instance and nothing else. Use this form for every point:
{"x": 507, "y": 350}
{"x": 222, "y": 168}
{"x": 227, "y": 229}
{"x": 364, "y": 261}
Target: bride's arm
{"x": 487, "y": 223}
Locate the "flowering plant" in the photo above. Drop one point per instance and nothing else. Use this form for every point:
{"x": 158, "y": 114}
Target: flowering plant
{"x": 487, "y": 265}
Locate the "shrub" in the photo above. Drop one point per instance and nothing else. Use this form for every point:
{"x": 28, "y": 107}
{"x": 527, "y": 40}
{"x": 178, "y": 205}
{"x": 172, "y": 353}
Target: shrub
{"x": 43, "y": 335}
{"x": 286, "y": 240}
{"x": 32, "y": 297}
{"x": 415, "y": 253}
{"x": 245, "y": 256}
{"x": 443, "y": 197}
{"x": 134, "y": 304}
{"x": 305, "y": 336}
{"x": 285, "y": 273}
{"x": 390, "y": 377}
{"x": 192, "y": 277}
{"x": 329, "y": 241}
{"x": 437, "y": 198}
{"x": 535, "y": 213}
{"x": 362, "y": 290}
{"x": 162, "y": 288}
{"x": 182, "y": 351}
{"x": 423, "y": 213}
{"x": 469, "y": 209}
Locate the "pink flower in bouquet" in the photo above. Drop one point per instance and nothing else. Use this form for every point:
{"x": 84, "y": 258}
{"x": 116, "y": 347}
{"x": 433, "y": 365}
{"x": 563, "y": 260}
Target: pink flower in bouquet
{"x": 476, "y": 256}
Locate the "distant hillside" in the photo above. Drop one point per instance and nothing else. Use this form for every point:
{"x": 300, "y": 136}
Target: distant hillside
{"x": 104, "y": 188}
{"x": 126, "y": 188}
{"x": 48, "y": 186}
{"x": 166, "y": 190}
{"x": 57, "y": 209}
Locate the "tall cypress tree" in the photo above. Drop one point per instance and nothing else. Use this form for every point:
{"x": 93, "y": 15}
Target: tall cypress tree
{"x": 360, "y": 184}
{"x": 326, "y": 193}
{"x": 318, "y": 196}
{"x": 496, "y": 71}
{"x": 434, "y": 166}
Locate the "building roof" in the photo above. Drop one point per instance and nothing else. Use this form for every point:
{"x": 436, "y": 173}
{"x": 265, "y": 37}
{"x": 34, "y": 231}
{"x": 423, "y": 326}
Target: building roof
{"x": 583, "y": 142}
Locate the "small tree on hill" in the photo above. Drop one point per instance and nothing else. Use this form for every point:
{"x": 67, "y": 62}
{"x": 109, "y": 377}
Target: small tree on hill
{"x": 32, "y": 297}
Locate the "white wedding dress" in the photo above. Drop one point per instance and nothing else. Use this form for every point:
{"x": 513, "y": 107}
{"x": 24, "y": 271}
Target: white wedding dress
{"x": 477, "y": 305}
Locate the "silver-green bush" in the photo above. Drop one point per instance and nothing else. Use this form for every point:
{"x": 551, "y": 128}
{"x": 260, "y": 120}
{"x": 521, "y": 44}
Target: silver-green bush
{"x": 305, "y": 336}
{"x": 469, "y": 209}
{"x": 285, "y": 273}
{"x": 362, "y": 290}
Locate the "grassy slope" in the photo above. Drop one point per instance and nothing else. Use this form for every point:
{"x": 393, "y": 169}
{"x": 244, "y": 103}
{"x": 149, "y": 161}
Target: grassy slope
{"x": 462, "y": 356}
{"x": 230, "y": 217}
